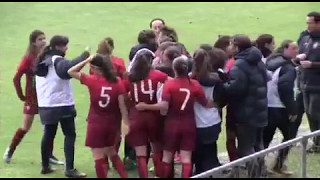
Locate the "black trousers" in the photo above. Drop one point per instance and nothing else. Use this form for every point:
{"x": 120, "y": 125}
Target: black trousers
{"x": 300, "y": 112}
{"x": 205, "y": 156}
{"x": 278, "y": 118}
{"x": 312, "y": 108}
{"x": 68, "y": 128}
{"x": 250, "y": 141}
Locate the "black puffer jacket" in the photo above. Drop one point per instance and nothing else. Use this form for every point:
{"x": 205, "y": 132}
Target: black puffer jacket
{"x": 247, "y": 89}
{"x": 286, "y": 80}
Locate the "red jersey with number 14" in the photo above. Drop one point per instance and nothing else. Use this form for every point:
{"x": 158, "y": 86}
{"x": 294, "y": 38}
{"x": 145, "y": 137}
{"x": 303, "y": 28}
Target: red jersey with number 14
{"x": 104, "y": 103}
{"x": 145, "y": 90}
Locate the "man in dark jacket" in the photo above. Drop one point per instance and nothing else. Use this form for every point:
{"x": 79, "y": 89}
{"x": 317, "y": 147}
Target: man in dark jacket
{"x": 247, "y": 90}
{"x": 281, "y": 101}
{"x": 310, "y": 74}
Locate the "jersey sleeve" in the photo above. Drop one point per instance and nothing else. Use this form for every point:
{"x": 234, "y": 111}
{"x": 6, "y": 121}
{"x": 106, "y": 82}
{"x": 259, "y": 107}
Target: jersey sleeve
{"x": 162, "y": 77}
{"x": 126, "y": 85}
{"x": 25, "y": 65}
{"x": 121, "y": 88}
{"x": 86, "y": 79}
{"x": 166, "y": 94}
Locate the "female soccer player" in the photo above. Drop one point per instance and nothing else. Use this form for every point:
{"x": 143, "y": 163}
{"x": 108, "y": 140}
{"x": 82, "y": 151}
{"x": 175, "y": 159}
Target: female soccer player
{"x": 180, "y": 127}
{"x": 107, "y": 102}
{"x": 145, "y": 126}
{"x": 37, "y": 40}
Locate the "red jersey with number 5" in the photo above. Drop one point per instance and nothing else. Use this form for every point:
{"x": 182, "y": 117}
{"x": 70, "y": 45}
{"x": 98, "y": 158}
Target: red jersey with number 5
{"x": 104, "y": 103}
{"x": 181, "y": 93}
{"x": 145, "y": 90}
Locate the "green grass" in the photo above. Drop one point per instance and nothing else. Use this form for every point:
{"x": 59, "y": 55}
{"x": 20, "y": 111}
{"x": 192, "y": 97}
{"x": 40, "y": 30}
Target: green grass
{"x": 87, "y": 23}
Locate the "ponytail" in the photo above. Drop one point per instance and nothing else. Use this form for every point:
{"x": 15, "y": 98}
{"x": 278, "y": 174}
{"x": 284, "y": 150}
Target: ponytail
{"x": 105, "y": 65}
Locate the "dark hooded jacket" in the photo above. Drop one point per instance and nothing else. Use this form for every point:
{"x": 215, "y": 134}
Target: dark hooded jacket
{"x": 286, "y": 80}
{"x": 247, "y": 89}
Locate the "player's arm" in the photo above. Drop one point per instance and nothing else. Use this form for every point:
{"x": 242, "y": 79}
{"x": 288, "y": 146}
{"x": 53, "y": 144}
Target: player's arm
{"x": 17, "y": 85}
{"x": 75, "y": 71}
{"x": 63, "y": 65}
{"x": 124, "y": 113}
{"x": 160, "y": 106}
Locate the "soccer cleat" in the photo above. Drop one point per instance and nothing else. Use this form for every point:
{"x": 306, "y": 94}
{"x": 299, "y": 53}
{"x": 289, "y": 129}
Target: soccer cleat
{"x": 53, "y": 160}
{"x": 74, "y": 173}
{"x": 7, "y": 156}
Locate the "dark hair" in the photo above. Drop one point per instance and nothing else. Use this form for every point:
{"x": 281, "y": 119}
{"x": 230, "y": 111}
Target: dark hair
{"x": 32, "y": 39}
{"x": 206, "y": 47}
{"x": 242, "y": 42}
{"x": 56, "y": 40}
{"x": 141, "y": 67}
{"x": 218, "y": 58}
{"x": 315, "y": 15}
{"x": 163, "y": 46}
{"x": 164, "y": 39}
{"x": 172, "y": 52}
{"x": 260, "y": 43}
{"x": 106, "y": 46}
{"x": 180, "y": 65}
{"x": 201, "y": 66}
{"x": 146, "y": 36}
{"x": 166, "y": 67}
{"x": 284, "y": 45}
{"x": 169, "y": 32}
{"x": 105, "y": 65}
{"x": 157, "y": 19}
{"x": 223, "y": 42}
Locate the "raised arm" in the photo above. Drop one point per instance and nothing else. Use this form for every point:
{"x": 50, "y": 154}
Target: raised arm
{"x": 74, "y": 71}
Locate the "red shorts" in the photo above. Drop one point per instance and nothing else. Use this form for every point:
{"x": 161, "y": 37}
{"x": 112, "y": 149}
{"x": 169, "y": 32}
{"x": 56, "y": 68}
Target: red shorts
{"x": 30, "y": 108}
{"x": 145, "y": 127}
{"x": 101, "y": 136}
{"x": 179, "y": 135}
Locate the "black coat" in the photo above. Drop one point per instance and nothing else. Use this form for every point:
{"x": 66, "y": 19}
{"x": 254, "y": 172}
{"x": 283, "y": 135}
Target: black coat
{"x": 247, "y": 89}
{"x": 286, "y": 81}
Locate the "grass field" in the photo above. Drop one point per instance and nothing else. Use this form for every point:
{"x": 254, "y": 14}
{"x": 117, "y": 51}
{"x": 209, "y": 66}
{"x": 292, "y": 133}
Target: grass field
{"x": 87, "y": 23}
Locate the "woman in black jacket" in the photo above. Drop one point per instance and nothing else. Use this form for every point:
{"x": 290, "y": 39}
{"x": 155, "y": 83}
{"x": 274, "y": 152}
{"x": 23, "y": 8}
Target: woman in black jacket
{"x": 281, "y": 102}
{"x": 247, "y": 94}
{"x": 56, "y": 102}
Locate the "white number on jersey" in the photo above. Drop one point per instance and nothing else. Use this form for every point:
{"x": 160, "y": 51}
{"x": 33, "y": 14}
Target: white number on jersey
{"x": 105, "y": 95}
{"x": 143, "y": 90}
{"x": 186, "y": 99}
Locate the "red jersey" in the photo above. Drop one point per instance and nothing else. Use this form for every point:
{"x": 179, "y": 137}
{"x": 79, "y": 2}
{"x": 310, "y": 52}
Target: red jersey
{"x": 146, "y": 90}
{"x": 181, "y": 93}
{"x": 26, "y": 67}
{"x": 118, "y": 66}
{"x": 104, "y": 104}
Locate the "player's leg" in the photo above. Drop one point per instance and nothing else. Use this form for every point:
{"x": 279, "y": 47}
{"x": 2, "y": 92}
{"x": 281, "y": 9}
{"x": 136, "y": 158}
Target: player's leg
{"x": 100, "y": 163}
{"x": 186, "y": 163}
{"x": 19, "y": 135}
{"x": 116, "y": 161}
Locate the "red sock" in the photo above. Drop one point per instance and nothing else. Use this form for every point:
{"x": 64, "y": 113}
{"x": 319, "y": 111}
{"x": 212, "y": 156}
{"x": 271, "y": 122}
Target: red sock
{"x": 119, "y": 166}
{"x": 157, "y": 157}
{"x": 186, "y": 170}
{"x": 166, "y": 170}
{"x": 20, "y": 133}
{"x": 142, "y": 166}
{"x": 101, "y": 169}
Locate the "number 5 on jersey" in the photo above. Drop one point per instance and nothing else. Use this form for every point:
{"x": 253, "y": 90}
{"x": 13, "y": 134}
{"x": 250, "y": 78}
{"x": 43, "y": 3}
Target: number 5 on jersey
{"x": 105, "y": 95}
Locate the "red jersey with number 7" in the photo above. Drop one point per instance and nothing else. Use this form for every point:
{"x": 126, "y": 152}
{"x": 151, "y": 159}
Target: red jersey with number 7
{"x": 104, "y": 103}
{"x": 145, "y": 90}
{"x": 181, "y": 93}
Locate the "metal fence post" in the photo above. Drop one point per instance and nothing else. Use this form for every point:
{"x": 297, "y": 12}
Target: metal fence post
{"x": 304, "y": 157}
